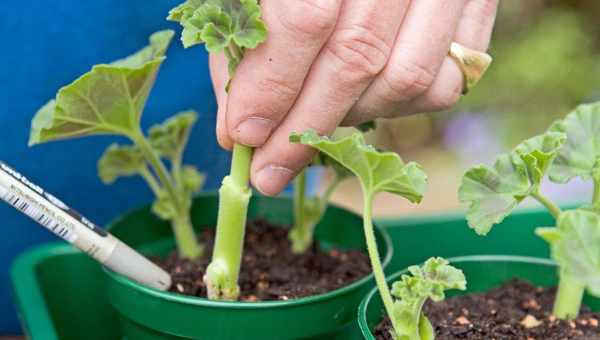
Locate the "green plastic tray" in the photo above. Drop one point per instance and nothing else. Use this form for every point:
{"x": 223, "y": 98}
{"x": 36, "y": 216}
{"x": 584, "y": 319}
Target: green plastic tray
{"x": 59, "y": 291}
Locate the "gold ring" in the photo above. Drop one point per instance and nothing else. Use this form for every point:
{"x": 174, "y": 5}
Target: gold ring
{"x": 472, "y": 64}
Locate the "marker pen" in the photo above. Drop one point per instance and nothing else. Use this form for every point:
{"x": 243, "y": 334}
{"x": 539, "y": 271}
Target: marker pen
{"x": 68, "y": 224}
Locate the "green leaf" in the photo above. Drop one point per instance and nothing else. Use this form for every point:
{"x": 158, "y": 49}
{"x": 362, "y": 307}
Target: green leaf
{"x": 218, "y": 23}
{"x": 170, "y": 138}
{"x": 429, "y": 281}
{"x": 109, "y": 99}
{"x": 192, "y": 179}
{"x": 341, "y": 172}
{"x": 120, "y": 161}
{"x": 163, "y": 207}
{"x": 377, "y": 171}
{"x": 493, "y": 192}
{"x": 580, "y": 155}
{"x": 575, "y": 246}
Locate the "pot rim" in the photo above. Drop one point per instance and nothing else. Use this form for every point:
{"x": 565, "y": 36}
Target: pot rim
{"x": 179, "y": 298}
{"x": 362, "y": 308}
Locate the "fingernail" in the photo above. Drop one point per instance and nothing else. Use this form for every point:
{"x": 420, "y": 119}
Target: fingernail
{"x": 253, "y": 131}
{"x": 271, "y": 179}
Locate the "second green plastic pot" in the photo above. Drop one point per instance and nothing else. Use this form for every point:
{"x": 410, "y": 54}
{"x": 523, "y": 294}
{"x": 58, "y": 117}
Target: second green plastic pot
{"x": 150, "y": 314}
{"x": 483, "y": 273}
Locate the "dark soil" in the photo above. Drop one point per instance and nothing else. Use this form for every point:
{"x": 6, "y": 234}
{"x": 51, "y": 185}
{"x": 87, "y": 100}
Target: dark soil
{"x": 516, "y": 310}
{"x": 270, "y": 271}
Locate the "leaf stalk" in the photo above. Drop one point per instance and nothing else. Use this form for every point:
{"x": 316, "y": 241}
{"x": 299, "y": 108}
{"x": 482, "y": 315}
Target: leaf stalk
{"x": 552, "y": 208}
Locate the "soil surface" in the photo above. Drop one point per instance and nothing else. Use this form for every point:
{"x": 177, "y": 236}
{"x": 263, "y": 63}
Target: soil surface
{"x": 516, "y": 310}
{"x": 270, "y": 271}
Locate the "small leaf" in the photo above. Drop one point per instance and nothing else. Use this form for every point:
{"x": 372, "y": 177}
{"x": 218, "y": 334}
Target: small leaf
{"x": 120, "y": 161}
{"x": 581, "y": 153}
{"x": 192, "y": 179}
{"x": 163, "y": 207}
{"x": 377, "y": 171}
{"x": 493, "y": 192}
{"x": 539, "y": 152}
{"x": 170, "y": 137}
{"x": 218, "y": 23}
{"x": 575, "y": 246}
{"x": 109, "y": 99}
{"x": 429, "y": 281}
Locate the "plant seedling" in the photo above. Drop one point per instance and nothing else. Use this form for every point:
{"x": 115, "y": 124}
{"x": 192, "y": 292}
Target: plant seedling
{"x": 386, "y": 172}
{"x": 308, "y": 211}
{"x": 109, "y": 100}
{"x": 428, "y": 281}
{"x": 570, "y": 148}
{"x": 231, "y": 27}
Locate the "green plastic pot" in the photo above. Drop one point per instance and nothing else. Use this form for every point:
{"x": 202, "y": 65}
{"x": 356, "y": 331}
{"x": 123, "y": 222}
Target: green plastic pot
{"x": 482, "y": 272}
{"x": 150, "y": 314}
{"x": 46, "y": 313}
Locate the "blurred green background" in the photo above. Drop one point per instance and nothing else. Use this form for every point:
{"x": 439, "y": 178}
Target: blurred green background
{"x": 546, "y": 62}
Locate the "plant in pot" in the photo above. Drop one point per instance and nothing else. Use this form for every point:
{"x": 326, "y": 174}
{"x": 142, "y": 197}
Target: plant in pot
{"x": 323, "y": 284}
{"x": 385, "y": 171}
{"x": 519, "y": 309}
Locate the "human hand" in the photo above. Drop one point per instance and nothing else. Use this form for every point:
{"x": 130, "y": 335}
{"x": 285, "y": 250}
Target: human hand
{"x": 341, "y": 62}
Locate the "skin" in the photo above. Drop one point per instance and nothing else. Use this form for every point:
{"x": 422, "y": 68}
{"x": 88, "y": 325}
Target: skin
{"x": 330, "y": 63}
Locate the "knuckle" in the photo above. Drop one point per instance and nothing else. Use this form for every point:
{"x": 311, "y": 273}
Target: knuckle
{"x": 359, "y": 51}
{"x": 408, "y": 80}
{"x": 278, "y": 86}
{"x": 310, "y": 18}
{"x": 445, "y": 100}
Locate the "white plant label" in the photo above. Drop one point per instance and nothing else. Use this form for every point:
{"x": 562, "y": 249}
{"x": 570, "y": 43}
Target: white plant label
{"x": 54, "y": 215}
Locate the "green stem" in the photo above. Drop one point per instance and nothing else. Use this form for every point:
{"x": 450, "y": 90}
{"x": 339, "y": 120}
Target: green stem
{"x": 376, "y": 265}
{"x": 185, "y": 236}
{"x": 151, "y": 181}
{"x": 552, "y": 208}
{"x": 240, "y": 165}
{"x": 568, "y": 297}
{"x": 299, "y": 202}
{"x": 188, "y": 247}
{"x": 222, "y": 274}
{"x": 159, "y": 168}
{"x": 596, "y": 197}
{"x": 302, "y": 234}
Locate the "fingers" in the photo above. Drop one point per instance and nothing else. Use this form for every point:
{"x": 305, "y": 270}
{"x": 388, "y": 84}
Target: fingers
{"x": 356, "y": 52}
{"x": 419, "y": 52}
{"x": 270, "y": 77}
{"x": 474, "y": 31}
{"x": 219, "y": 75}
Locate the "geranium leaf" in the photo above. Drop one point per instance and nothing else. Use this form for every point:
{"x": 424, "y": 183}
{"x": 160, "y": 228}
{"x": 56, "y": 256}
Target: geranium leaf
{"x": 218, "y": 23}
{"x": 109, "y": 99}
{"x": 493, "y": 192}
{"x": 377, "y": 171}
{"x": 581, "y": 153}
{"x": 429, "y": 281}
{"x": 170, "y": 138}
{"x": 119, "y": 161}
{"x": 575, "y": 246}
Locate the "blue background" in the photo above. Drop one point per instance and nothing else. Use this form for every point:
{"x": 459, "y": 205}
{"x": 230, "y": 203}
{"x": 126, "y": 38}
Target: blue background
{"x": 47, "y": 44}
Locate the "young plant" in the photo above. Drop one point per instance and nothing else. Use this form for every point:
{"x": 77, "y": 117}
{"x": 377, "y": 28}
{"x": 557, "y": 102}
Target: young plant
{"x": 569, "y": 149}
{"x": 378, "y": 172}
{"x": 231, "y": 27}
{"x": 109, "y": 100}
{"x": 428, "y": 281}
{"x": 308, "y": 211}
